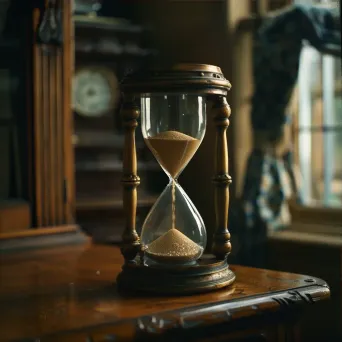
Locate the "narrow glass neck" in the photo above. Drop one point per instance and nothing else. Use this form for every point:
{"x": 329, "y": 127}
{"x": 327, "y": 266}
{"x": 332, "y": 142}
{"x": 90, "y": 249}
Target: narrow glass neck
{"x": 171, "y": 180}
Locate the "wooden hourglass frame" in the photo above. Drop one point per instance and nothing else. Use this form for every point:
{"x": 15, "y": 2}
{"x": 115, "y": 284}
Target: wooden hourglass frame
{"x": 211, "y": 271}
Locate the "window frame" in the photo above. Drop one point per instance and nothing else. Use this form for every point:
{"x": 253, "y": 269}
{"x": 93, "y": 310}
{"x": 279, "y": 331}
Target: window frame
{"x": 307, "y": 217}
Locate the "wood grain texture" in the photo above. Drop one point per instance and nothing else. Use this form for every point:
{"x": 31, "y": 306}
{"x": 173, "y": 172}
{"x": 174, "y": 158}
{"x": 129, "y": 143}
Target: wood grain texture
{"x": 221, "y": 241}
{"x": 14, "y": 217}
{"x": 52, "y": 137}
{"x": 68, "y": 294}
{"x": 67, "y": 74}
{"x": 60, "y": 212}
{"x": 37, "y": 108}
{"x": 52, "y": 128}
{"x": 41, "y": 238}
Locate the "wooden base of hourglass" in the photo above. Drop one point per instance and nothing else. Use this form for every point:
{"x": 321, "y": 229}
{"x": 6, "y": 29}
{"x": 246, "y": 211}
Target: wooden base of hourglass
{"x": 207, "y": 275}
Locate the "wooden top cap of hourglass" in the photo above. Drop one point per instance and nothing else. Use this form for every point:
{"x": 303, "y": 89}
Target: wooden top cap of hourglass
{"x": 185, "y": 77}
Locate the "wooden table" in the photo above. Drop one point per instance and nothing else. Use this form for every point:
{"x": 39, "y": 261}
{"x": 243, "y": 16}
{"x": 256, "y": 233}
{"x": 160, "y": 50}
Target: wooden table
{"x": 68, "y": 294}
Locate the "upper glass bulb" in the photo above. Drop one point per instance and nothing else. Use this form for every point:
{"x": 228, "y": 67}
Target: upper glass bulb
{"x": 173, "y": 127}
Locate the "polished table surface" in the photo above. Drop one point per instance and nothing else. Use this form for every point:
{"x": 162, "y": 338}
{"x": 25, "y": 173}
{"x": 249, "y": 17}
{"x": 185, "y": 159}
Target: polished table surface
{"x": 68, "y": 293}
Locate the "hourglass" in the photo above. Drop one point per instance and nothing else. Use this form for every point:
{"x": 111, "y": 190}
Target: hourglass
{"x": 169, "y": 256}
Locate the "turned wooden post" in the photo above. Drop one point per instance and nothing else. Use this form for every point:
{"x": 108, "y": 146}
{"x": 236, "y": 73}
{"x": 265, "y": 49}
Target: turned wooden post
{"x": 221, "y": 242}
{"x": 130, "y": 180}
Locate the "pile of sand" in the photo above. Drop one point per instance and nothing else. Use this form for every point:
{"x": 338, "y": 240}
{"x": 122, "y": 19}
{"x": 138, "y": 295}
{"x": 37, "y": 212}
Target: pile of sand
{"x": 173, "y": 246}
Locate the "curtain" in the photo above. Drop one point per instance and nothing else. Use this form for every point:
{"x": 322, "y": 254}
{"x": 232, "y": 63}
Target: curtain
{"x": 270, "y": 177}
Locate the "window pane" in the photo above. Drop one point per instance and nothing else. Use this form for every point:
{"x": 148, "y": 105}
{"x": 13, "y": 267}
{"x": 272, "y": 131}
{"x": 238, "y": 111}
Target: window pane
{"x": 319, "y": 123}
{"x": 338, "y": 91}
{"x": 319, "y": 187}
{"x": 309, "y": 112}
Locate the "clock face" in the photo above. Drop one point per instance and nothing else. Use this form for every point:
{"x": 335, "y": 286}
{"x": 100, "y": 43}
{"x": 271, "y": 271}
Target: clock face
{"x": 95, "y": 91}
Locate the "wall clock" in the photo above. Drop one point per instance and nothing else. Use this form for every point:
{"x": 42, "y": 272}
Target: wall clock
{"x": 95, "y": 91}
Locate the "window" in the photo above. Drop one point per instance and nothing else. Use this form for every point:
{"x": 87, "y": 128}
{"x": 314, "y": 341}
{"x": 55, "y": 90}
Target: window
{"x": 317, "y": 136}
{"x": 318, "y": 128}
{"x": 318, "y": 125}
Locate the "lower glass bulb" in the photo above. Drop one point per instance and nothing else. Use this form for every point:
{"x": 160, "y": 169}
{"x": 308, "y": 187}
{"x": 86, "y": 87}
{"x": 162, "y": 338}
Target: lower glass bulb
{"x": 173, "y": 232}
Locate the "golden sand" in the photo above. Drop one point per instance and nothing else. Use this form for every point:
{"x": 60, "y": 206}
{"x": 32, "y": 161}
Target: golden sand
{"x": 173, "y": 150}
{"x": 173, "y": 246}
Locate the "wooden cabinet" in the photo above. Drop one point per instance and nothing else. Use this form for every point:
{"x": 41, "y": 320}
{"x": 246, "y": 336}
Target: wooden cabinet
{"x": 61, "y": 138}
{"x": 36, "y": 154}
{"x": 105, "y": 49}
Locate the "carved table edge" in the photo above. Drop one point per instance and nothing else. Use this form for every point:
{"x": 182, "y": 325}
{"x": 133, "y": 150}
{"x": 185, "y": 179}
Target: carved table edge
{"x": 200, "y": 316}
{"x": 232, "y": 310}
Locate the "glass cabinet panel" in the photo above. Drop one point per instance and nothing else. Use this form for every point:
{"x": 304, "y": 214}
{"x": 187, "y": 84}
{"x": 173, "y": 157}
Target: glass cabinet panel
{"x": 14, "y": 108}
